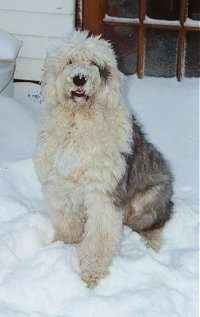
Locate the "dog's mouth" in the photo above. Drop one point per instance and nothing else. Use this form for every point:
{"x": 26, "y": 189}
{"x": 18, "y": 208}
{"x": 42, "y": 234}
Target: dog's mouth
{"x": 79, "y": 92}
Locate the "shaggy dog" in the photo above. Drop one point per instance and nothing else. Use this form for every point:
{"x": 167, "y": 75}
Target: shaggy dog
{"x": 96, "y": 168}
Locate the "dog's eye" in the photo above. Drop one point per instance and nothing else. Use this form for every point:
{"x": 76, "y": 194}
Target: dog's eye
{"x": 95, "y": 64}
{"x": 104, "y": 72}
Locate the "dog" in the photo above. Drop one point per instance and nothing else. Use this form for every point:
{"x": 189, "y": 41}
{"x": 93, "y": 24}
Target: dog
{"x": 97, "y": 169}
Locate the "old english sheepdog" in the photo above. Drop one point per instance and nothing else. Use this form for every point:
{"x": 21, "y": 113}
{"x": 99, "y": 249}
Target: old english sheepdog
{"x": 95, "y": 165}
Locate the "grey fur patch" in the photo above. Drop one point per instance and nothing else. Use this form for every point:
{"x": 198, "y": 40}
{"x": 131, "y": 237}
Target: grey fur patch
{"x": 104, "y": 72}
{"x": 147, "y": 176}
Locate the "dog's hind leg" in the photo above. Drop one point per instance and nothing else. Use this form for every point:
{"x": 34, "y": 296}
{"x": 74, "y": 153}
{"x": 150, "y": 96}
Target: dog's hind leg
{"x": 153, "y": 238}
{"x": 147, "y": 212}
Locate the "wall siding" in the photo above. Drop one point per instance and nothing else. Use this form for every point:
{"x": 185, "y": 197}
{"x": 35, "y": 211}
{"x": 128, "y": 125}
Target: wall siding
{"x": 40, "y": 25}
{"x": 46, "y": 6}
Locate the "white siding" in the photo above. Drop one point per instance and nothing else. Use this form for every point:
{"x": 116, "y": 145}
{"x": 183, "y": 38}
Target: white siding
{"x": 35, "y": 46}
{"x": 39, "y": 24}
{"x": 46, "y": 6}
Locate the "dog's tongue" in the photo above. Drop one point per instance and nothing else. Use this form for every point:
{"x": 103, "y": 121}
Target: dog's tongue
{"x": 79, "y": 91}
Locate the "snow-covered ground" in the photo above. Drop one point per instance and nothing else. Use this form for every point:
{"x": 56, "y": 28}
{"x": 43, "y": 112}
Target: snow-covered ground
{"x": 40, "y": 278}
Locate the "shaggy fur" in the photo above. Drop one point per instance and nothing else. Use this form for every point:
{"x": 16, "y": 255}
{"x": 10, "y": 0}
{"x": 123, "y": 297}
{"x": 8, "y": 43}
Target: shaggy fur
{"x": 96, "y": 168}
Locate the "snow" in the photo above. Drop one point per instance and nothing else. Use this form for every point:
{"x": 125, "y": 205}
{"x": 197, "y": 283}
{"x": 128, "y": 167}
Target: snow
{"x": 148, "y": 20}
{"x": 191, "y": 22}
{"x": 161, "y": 21}
{"x": 40, "y": 277}
{"x": 109, "y": 18}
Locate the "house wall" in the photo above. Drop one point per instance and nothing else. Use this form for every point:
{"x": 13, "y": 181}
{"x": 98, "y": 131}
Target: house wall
{"x": 39, "y": 24}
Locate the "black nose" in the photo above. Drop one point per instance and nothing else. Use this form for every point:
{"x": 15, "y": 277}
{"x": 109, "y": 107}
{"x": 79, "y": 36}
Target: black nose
{"x": 79, "y": 80}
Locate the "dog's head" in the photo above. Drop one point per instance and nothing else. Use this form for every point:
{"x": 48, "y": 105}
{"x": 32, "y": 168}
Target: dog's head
{"x": 83, "y": 68}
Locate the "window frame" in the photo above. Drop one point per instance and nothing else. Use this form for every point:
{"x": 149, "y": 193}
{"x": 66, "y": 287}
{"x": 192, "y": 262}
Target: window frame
{"x": 93, "y": 17}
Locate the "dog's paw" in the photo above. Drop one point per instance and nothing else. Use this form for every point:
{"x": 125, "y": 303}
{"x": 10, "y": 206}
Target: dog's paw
{"x": 91, "y": 276}
{"x": 153, "y": 244}
{"x": 94, "y": 264}
{"x": 90, "y": 279}
{"x": 153, "y": 239}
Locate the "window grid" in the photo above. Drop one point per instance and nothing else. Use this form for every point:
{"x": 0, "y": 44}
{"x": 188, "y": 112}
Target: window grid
{"x": 95, "y": 18}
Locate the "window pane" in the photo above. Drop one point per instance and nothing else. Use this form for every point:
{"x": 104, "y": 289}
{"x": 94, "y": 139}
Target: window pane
{"x": 160, "y": 57}
{"x": 167, "y": 9}
{"x": 122, "y": 8}
{"x": 194, "y": 9}
{"x": 124, "y": 40}
{"x": 192, "y": 54}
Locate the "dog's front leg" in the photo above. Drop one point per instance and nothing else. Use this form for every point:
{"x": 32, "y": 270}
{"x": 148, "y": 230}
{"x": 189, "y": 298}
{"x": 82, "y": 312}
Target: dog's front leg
{"x": 101, "y": 238}
{"x": 68, "y": 225}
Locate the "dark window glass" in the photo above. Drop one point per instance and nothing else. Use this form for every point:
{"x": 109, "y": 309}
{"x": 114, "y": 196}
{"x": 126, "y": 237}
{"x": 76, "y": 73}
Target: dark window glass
{"x": 194, "y": 9}
{"x": 124, "y": 41}
{"x": 192, "y": 54}
{"x": 122, "y": 8}
{"x": 160, "y": 44}
{"x": 160, "y": 57}
{"x": 166, "y": 9}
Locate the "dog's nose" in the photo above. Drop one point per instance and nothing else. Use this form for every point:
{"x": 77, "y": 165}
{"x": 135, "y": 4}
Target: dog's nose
{"x": 79, "y": 80}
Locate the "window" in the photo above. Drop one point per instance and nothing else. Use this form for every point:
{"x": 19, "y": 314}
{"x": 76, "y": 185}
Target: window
{"x": 150, "y": 37}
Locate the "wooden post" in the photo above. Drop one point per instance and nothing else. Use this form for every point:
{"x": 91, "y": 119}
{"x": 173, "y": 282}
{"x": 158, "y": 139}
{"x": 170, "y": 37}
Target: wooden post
{"x": 141, "y": 39}
{"x": 78, "y": 15}
{"x": 181, "y": 39}
{"x": 93, "y": 14}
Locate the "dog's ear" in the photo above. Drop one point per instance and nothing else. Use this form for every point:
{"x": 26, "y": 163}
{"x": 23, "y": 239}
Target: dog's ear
{"x": 105, "y": 72}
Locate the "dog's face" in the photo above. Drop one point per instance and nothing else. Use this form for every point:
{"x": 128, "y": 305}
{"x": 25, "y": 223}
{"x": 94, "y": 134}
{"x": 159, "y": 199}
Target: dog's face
{"x": 80, "y": 70}
{"x": 82, "y": 78}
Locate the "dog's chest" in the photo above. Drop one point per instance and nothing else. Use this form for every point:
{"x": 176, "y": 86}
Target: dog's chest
{"x": 87, "y": 144}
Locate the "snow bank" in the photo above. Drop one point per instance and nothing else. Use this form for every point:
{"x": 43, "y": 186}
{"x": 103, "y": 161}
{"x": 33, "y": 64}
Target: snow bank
{"x": 40, "y": 278}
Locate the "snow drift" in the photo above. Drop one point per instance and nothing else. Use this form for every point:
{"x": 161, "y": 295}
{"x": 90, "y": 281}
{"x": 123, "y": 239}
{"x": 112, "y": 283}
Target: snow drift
{"x": 40, "y": 278}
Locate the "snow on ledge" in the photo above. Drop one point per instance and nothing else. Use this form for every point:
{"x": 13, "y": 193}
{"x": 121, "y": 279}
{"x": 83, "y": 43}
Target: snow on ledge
{"x": 109, "y": 18}
{"x": 148, "y": 20}
{"x": 161, "y": 21}
{"x": 191, "y": 22}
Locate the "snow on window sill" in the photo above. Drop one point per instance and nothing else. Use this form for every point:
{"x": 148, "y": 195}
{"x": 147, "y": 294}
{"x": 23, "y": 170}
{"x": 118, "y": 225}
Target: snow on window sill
{"x": 148, "y": 20}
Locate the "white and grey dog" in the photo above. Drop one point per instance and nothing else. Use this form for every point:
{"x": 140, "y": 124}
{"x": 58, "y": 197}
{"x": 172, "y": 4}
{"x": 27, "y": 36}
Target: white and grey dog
{"x": 96, "y": 168}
